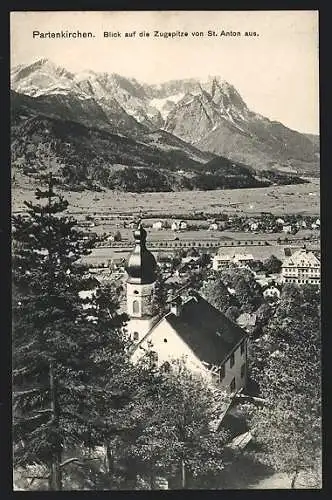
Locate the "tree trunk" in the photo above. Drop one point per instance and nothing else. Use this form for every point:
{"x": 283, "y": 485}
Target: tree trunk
{"x": 55, "y": 472}
{"x": 183, "y": 475}
{"x": 152, "y": 481}
{"x": 296, "y": 473}
{"x": 109, "y": 463}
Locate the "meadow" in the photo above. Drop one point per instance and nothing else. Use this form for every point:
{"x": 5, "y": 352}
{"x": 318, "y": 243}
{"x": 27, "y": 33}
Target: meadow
{"x": 293, "y": 199}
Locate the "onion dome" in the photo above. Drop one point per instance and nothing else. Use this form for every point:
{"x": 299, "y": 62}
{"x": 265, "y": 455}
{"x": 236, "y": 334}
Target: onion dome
{"x": 141, "y": 265}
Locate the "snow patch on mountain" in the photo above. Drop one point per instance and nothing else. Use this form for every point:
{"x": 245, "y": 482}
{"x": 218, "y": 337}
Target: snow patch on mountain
{"x": 163, "y": 104}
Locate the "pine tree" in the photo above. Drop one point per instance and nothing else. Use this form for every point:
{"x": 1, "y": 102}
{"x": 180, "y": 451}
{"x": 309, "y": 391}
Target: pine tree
{"x": 56, "y": 341}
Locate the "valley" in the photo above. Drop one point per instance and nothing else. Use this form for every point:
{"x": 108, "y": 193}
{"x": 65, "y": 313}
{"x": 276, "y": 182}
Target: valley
{"x": 302, "y": 198}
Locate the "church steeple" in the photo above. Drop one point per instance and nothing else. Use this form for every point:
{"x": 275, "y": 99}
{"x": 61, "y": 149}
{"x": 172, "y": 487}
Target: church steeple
{"x": 141, "y": 264}
{"x": 141, "y": 268}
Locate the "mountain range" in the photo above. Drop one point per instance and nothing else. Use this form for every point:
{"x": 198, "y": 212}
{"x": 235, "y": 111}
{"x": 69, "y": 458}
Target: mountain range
{"x": 181, "y": 126}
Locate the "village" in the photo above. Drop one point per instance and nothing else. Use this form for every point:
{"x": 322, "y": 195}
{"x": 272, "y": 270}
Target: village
{"x": 230, "y": 269}
{"x": 186, "y": 273}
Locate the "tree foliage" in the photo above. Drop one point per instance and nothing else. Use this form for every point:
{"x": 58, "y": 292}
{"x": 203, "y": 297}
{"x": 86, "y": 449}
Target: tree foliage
{"x": 272, "y": 265}
{"x": 179, "y": 444}
{"x": 57, "y": 342}
{"x": 216, "y": 292}
{"x": 287, "y": 367}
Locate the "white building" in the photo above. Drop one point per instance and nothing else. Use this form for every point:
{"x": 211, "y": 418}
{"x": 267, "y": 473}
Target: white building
{"x": 271, "y": 291}
{"x": 303, "y": 267}
{"x": 243, "y": 259}
{"x": 254, "y": 226}
{"x": 223, "y": 261}
{"x": 220, "y": 262}
{"x": 213, "y": 227}
{"x": 209, "y": 343}
{"x": 179, "y": 225}
{"x": 158, "y": 225}
{"x": 287, "y": 229}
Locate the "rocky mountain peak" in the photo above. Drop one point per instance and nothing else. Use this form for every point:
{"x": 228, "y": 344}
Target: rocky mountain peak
{"x": 210, "y": 114}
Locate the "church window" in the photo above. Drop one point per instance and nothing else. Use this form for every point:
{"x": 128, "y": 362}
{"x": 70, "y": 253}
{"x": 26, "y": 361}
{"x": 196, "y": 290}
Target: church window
{"x": 135, "y": 307}
{"x": 136, "y": 335}
{"x": 242, "y": 348}
{"x": 222, "y": 373}
{"x": 165, "y": 340}
{"x": 232, "y": 385}
{"x": 231, "y": 360}
{"x": 136, "y": 292}
{"x": 243, "y": 370}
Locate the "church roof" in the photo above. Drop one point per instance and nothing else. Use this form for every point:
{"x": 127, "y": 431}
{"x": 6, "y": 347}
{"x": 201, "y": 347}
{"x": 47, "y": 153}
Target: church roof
{"x": 141, "y": 265}
{"x": 207, "y": 331}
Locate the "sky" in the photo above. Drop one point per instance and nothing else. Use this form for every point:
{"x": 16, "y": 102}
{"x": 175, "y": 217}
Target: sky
{"x": 276, "y": 72}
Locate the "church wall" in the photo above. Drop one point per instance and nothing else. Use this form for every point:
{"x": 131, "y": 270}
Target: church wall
{"x": 138, "y": 327}
{"x": 235, "y": 370}
{"x": 174, "y": 348}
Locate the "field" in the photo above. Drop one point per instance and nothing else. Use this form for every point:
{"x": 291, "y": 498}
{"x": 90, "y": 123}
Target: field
{"x": 301, "y": 198}
{"x": 107, "y": 211}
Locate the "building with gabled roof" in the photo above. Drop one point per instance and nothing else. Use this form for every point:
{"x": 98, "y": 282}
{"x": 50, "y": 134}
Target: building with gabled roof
{"x": 193, "y": 330}
{"x": 302, "y": 267}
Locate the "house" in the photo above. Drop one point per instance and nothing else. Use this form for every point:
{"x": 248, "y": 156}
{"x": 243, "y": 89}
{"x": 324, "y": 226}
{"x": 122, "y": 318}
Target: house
{"x": 179, "y": 225}
{"x": 263, "y": 280}
{"x": 193, "y": 330}
{"x": 302, "y": 267}
{"x": 158, "y": 225}
{"x": 287, "y": 229}
{"x": 271, "y": 291}
{"x": 243, "y": 259}
{"x": 190, "y": 258}
{"x": 220, "y": 262}
{"x": 253, "y": 226}
{"x": 223, "y": 261}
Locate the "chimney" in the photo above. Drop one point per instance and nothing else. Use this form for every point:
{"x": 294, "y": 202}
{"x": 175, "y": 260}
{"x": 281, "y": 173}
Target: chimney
{"x": 176, "y": 306}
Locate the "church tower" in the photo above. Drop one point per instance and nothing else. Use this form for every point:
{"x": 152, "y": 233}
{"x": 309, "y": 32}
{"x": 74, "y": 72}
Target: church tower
{"x": 141, "y": 269}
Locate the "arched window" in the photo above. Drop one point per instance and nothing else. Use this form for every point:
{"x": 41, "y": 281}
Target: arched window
{"x": 135, "y": 307}
{"x": 135, "y": 335}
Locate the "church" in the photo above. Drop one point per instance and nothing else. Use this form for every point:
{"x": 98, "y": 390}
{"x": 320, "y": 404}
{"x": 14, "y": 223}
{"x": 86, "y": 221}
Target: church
{"x": 193, "y": 330}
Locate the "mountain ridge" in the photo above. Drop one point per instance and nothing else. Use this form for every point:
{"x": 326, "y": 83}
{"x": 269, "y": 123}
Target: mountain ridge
{"x": 187, "y": 118}
{"x": 85, "y": 157}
